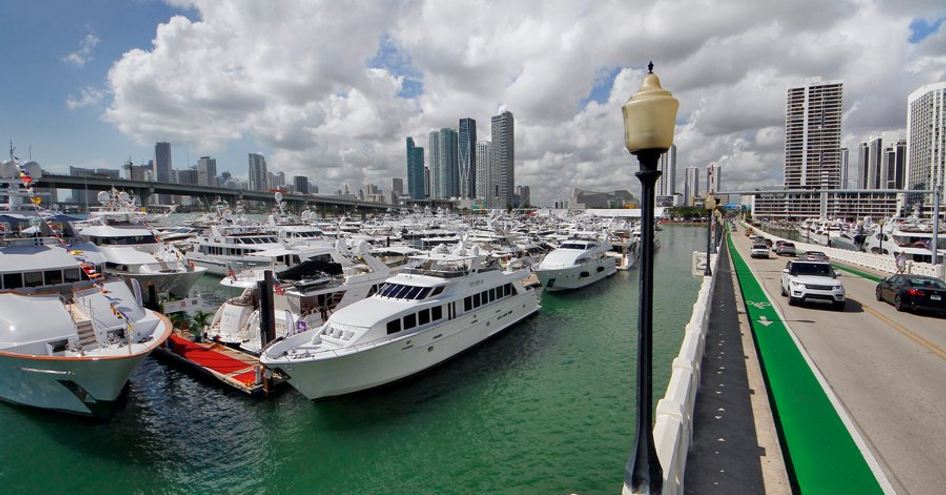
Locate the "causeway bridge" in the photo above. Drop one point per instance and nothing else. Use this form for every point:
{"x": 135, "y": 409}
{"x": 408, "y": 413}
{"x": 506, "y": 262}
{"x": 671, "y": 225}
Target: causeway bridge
{"x": 770, "y": 398}
{"x": 144, "y": 190}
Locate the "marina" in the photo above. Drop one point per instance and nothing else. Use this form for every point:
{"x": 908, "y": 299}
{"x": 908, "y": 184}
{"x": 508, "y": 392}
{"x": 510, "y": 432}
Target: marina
{"x": 499, "y": 401}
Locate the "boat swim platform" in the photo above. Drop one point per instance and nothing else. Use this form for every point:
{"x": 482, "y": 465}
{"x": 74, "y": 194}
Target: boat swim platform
{"x": 231, "y": 368}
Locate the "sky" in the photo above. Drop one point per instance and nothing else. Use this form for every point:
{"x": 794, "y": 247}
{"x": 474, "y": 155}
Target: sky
{"x": 331, "y": 89}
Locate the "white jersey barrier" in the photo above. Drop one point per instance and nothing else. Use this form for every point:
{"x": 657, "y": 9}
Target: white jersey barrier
{"x": 883, "y": 263}
{"x": 673, "y": 428}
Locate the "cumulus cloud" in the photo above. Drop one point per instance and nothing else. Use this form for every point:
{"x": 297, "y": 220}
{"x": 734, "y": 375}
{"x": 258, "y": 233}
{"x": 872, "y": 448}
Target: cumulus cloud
{"x": 332, "y": 89}
{"x": 88, "y": 96}
{"x": 84, "y": 53}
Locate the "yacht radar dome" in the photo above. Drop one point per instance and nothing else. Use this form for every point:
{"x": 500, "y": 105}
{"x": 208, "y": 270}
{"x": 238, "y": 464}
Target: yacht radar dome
{"x": 104, "y": 197}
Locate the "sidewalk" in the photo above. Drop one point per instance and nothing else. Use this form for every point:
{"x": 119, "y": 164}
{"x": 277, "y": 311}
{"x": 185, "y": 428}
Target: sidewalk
{"x": 735, "y": 445}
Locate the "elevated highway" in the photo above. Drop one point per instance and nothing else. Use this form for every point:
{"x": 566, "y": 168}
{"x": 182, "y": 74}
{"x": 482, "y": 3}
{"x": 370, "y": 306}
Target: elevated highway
{"x": 144, "y": 190}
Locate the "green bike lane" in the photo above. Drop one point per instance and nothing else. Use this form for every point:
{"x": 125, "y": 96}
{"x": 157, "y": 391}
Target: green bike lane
{"x": 820, "y": 451}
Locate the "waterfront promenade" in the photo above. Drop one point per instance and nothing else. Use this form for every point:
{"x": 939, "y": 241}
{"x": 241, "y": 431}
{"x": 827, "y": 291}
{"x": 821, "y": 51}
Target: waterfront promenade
{"x": 882, "y": 371}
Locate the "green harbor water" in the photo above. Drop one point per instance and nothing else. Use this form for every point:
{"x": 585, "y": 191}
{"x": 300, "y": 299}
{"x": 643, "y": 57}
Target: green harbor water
{"x": 546, "y": 408}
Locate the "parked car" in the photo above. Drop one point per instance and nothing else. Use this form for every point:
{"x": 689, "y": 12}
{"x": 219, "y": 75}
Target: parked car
{"x": 912, "y": 292}
{"x": 786, "y": 249}
{"x": 776, "y": 246}
{"x": 812, "y": 281}
{"x": 814, "y": 256}
{"x": 759, "y": 250}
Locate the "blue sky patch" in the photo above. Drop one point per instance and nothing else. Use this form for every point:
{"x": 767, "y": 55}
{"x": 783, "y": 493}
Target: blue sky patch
{"x": 922, "y": 28}
{"x": 601, "y": 90}
{"x": 397, "y": 61}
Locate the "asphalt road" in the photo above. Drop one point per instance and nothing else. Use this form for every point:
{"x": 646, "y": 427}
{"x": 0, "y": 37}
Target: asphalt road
{"x": 887, "y": 368}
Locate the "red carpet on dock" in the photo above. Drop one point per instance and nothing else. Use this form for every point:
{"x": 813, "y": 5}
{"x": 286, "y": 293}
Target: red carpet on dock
{"x": 209, "y": 358}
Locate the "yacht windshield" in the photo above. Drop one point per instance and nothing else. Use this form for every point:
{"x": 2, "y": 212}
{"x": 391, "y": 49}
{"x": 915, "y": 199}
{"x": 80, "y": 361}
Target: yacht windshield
{"x": 574, "y": 245}
{"x": 401, "y": 291}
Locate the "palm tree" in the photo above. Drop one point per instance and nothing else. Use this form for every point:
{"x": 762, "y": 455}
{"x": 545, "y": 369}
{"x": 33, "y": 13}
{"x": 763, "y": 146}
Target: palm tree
{"x": 200, "y": 321}
{"x": 179, "y": 320}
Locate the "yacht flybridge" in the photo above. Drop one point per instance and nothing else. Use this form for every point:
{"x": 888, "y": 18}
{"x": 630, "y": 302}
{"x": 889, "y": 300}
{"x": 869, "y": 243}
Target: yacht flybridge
{"x": 436, "y": 307}
{"x": 65, "y": 342}
{"x": 576, "y": 263}
{"x": 328, "y": 279}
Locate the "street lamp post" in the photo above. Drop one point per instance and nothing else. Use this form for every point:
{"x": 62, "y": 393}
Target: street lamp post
{"x": 710, "y": 204}
{"x": 649, "y": 118}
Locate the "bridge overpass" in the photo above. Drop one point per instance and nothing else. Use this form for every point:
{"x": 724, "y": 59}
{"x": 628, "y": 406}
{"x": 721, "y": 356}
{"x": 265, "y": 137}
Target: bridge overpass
{"x": 144, "y": 189}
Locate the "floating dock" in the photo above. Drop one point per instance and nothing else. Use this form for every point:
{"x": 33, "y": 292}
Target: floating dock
{"x": 232, "y": 368}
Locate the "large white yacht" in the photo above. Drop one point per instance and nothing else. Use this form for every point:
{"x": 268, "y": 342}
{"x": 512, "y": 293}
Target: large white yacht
{"x": 441, "y": 305}
{"x": 326, "y": 280}
{"x": 62, "y": 346}
{"x": 575, "y": 264}
{"x": 226, "y": 248}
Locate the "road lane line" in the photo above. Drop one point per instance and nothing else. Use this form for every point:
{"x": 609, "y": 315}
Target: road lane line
{"x": 935, "y": 349}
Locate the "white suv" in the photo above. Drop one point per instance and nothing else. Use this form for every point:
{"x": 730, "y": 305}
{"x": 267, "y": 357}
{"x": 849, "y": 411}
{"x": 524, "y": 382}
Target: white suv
{"x": 816, "y": 281}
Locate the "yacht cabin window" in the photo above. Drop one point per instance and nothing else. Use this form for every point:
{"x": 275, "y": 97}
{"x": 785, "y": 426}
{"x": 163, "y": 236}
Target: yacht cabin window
{"x": 410, "y": 321}
{"x": 394, "y": 326}
{"x": 436, "y": 312}
{"x": 33, "y": 279}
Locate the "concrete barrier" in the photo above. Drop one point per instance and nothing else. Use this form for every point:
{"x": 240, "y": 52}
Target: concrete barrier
{"x": 673, "y": 425}
{"x": 883, "y": 263}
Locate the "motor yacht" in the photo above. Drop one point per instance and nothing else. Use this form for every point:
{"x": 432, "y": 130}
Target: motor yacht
{"x": 326, "y": 280}
{"x": 575, "y": 264}
{"x": 65, "y": 343}
{"x": 443, "y": 304}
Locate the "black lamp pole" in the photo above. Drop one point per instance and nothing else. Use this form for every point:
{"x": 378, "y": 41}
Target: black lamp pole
{"x": 708, "y": 272}
{"x": 643, "y": 467}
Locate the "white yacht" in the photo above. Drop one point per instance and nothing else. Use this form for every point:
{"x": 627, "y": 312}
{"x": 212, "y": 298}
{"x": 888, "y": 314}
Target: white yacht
{"x": 440, "y": 306}
{"x": 328, "y": 279}
{"x": 575, "y": 264}
{"x": 62, "y": 346}
{"x": 225, "y": 248}
{"x": 133, "y": 252}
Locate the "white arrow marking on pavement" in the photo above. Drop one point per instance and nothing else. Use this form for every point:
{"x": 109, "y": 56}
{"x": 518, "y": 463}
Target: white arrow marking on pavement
{"x": 765, "y": 321}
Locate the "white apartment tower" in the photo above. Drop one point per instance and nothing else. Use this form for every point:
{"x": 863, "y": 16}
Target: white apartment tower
{"x": 258, "y": 176}
{"x": 813, "y": 136}
{"x": 691, "y": 185}
{"x": 502, "y": 178}
{"x": 667, "y": 183}
{"x": 482, "y": 169}
{"x": 926, "y": 140}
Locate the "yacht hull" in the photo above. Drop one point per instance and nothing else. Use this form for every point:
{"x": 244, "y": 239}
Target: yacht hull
{"x": 177, "y": 283}
{"x": 361, "y": 368}
{"x": 80, "y": 385}
{"x": 576, "y": 277}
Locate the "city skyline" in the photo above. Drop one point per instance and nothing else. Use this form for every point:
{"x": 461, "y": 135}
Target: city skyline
{"x": 110, "y": 80}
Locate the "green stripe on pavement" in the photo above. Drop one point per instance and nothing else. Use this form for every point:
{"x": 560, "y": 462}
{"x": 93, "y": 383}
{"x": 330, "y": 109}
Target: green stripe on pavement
{"x": 859, "y": 273}
{"x": 819, "y": 448}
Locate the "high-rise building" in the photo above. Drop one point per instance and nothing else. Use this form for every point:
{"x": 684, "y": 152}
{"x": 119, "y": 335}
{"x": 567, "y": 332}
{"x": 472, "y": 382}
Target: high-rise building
{"x": 845, "y": 156}
{"x": 258, "y": 176}
{"x": 926, "y": 141}
{"x": 444, "y": 164}
{"x": 863, "y": 158}
{"x": 893, "y": 165}
{"x": 162, "y": 162}
{"x": 397, "y": 186}
{"x": 813, "y": 136}
{"x": 433, "y": 164}
{"x": 523, "y": 196}
{"x": 187, "y": 176}
{"x": 207, "y": 171}
{"x": 467, "y": 158}
{"x": 301, "y": 184}
{"x": 502, "y": 176}
{"x": 875, "y": 152}
{"x": 162, "y": 169}
{"x": 691, "y": 185}
{"x": 416, "y": 188}
{"x": 713, "y": 178}
{"x": 482, "y": 169}
{"x": 667, "y": 183}
{"x": 139, "y": 172}
{"x": 427, "y": 192}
